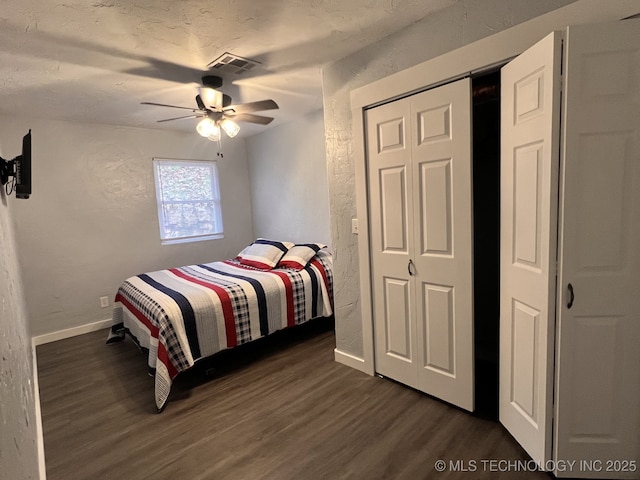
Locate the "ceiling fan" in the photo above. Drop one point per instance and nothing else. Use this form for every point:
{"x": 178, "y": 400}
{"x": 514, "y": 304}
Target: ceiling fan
{"x": 217, "y": 112}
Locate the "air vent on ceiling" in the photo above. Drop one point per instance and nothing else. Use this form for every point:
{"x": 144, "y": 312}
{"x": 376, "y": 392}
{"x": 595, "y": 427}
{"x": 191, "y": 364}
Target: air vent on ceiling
{"x": 230, "y": 63}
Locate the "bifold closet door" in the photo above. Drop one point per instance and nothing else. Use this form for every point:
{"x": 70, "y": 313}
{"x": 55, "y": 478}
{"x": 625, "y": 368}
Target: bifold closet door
{"x": 570, "y": 262}
{"x": 420, "y": 199}
{"x": 443, "y": 241}
{"x": 598, "y": 361}
{"x": 391, "y": 231}
{"x": 530, "y": 152}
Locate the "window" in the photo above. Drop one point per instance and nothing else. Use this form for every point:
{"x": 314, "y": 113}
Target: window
{"x": 188, "y": 200}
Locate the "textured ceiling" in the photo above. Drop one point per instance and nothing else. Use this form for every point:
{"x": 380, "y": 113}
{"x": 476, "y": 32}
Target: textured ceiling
{"x": 96, "y": 60}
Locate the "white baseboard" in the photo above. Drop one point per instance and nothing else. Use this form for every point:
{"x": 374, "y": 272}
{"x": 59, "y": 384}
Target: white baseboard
{"x": 71, "y": 332}
{"x": 42, "y": 469}
{"x": 351, "y": 361}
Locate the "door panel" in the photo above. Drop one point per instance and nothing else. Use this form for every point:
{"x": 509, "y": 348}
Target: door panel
{"x": 524, "y": 358}
{"x": 393, "y": 202}
{"x": 397, "y": 325}
{"x": 439, "y": 337}
{"x": 391, "y": 210}
{"x": 598, "y": 385}
{"x": 527, "y": 204}
{"x": 435, "y": 203}
{"x": 600, "y": 234}
{"x": 443, "y": 261}
{"x": 529, "y": 192}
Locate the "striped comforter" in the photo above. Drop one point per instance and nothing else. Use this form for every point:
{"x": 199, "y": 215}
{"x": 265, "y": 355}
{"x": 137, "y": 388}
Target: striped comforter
{"x": 185, "y": 314}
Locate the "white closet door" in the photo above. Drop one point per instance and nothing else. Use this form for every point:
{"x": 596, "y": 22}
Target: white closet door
{"x": 419, "y": 173}
{"x": 529, "y": 196}
{"x": 442, "y": 185}
{"x": 391, "y": 227}
{"x": 598, "y": 372}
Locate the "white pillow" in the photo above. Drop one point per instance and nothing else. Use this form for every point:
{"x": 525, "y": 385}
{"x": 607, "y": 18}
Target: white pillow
{"x": 263, "y": 254}
{"x": 299, "y": 255}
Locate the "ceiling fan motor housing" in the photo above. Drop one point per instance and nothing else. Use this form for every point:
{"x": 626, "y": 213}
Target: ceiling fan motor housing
{"x": 211, "y": 81}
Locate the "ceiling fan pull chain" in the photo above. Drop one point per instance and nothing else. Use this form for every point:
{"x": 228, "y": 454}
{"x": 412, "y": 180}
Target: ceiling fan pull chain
{"x": 219, "y": 154}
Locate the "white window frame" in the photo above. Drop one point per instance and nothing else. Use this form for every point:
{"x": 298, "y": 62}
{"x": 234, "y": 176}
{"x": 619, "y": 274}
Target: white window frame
{"x": 158, "y": 163}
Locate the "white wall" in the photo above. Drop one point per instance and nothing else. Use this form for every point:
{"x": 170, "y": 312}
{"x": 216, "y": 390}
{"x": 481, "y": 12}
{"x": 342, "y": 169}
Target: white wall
{"x": 288, "y": 170}
{"x": 18, "y": 418}
{"x": 92, "y": 219}
{"x": 453, "y": 27}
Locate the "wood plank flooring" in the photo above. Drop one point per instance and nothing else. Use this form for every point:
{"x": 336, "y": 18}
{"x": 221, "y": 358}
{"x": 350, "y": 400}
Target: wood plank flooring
{"x": 283, "y": 409}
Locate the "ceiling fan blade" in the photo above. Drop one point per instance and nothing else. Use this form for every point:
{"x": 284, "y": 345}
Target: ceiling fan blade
{"x": 197, "y": 115}
{"x": 211, "y": 97}
{"x": 250, "y": 118}
{"x": 170, "y": 106}
{"x": 252, "y": 106}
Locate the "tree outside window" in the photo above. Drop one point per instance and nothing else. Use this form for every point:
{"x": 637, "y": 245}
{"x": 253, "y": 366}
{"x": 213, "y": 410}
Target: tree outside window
{"x": 188, "y": 196}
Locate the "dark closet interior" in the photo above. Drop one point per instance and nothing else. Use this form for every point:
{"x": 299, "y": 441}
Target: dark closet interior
{"x": 486, "y": 239}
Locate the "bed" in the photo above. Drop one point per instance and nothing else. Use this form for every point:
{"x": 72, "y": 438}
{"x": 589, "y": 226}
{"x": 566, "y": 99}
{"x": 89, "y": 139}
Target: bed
{"x": 182, "y": 315}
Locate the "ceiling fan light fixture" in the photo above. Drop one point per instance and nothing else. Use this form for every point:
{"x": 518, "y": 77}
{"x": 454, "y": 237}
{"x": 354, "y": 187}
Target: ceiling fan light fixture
{"x": 219, "y": 113}
{"x": 215, "y": 135}
{"x": 207, "y": 127}
{"x": 230, "y": 127}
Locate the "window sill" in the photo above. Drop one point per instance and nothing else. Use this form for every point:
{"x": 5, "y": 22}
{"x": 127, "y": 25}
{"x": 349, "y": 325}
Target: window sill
{"x": 202, "y": 238}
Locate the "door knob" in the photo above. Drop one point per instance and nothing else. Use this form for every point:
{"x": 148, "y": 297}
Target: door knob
{"x": 571, "y": 296}
{"x": 410, "y": 267}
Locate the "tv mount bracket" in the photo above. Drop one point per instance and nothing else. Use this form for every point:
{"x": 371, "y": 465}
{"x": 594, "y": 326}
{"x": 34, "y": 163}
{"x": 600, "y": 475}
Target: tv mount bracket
{"x": 7, "y": 169}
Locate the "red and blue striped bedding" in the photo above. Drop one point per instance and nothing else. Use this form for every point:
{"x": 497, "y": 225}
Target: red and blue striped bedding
{"x": 182, "y": 315}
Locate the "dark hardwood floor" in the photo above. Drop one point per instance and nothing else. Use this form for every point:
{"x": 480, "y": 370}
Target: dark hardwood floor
{"x": 282, "y": 409}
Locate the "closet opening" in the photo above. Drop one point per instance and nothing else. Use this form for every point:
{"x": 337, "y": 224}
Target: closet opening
{"x": 486, "y": 240}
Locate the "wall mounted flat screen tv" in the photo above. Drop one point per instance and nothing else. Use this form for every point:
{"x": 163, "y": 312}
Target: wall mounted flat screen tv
{"x": 16, "y": 174}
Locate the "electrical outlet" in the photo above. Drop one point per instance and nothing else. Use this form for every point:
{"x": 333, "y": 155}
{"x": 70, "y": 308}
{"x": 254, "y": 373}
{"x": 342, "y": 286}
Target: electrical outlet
{"x": 104, "y": 302}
